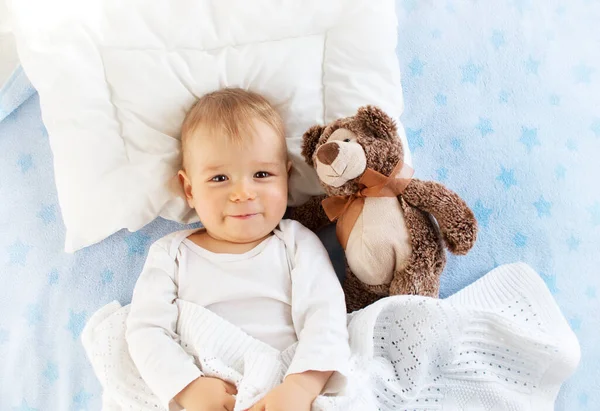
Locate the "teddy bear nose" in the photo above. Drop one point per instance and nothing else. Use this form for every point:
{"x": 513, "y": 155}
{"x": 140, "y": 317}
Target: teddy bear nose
{"x": 328, "y": 153}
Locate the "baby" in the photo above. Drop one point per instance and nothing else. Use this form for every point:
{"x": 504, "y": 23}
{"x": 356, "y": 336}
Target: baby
{"x": 262, "y": 278}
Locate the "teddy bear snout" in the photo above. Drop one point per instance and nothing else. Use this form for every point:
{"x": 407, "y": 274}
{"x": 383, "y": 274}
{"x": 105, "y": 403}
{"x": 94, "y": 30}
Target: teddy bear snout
{"x": 328, "y": 152}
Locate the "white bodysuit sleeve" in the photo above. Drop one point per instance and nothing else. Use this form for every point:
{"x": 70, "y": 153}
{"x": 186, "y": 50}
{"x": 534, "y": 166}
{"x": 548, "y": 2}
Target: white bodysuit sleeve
{"x": 151, "y": 329}
{"x": 318, "y": 309}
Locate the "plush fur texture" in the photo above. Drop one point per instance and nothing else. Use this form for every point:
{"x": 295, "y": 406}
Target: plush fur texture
{"x": 433, "y": 215}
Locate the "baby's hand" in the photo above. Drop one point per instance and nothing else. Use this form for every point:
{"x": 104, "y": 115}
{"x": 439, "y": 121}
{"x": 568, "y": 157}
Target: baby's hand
{"x": 207, "y": 394}
{"x": 288, "y": 396}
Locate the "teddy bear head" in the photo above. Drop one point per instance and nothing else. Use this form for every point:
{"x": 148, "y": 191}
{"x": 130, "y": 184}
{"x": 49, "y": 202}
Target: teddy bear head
{"x": 341, "y": 151}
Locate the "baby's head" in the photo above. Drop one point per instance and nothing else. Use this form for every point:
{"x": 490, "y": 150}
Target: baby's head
{"x": 235, "y": 165}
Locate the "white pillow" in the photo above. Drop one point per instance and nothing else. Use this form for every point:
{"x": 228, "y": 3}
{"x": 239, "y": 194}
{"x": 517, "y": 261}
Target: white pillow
{"x": 8, "y": 54}
{"x": 115, "y": 79}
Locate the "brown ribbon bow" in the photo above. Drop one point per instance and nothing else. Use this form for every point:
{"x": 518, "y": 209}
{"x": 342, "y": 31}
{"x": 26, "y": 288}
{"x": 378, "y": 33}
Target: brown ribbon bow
{"x": 346, "y": 209}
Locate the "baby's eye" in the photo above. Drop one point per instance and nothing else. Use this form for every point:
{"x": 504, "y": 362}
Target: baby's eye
{"x": 262, "y": 174}
{"x": 219, "y": 179}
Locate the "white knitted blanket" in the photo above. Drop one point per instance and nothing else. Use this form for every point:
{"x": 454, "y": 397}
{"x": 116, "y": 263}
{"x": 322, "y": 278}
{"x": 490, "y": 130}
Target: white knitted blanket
{"x": 499, "y": 344}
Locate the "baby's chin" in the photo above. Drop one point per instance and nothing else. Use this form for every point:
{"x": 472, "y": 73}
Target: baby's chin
{"x": 248, "y": 229}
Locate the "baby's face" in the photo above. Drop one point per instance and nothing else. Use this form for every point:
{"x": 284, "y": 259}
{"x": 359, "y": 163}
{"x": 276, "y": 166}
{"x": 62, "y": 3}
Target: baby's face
{"x": 238, "y": 191}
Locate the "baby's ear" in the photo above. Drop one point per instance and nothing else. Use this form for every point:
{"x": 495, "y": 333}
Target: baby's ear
{"x": 310, "y": 139}
{"x": 377, "y": 122}
{"x": 186, "y": 186}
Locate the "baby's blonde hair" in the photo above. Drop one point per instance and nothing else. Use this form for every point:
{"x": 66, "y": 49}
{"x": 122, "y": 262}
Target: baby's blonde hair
{"x": 230, "y": 112}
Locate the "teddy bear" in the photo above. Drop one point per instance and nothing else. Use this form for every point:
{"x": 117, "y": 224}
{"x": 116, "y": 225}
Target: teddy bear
{"x": 393, "y": 228}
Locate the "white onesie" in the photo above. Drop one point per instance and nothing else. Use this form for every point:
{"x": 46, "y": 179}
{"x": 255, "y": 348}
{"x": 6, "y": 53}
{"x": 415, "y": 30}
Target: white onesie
{"x": 282, "y": 292}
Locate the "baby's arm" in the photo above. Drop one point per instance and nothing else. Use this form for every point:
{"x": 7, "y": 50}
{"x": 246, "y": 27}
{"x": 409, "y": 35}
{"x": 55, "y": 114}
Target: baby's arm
{"x": 151, "y": 329}
{"x": 296, "y": 393}
{"x": 319, "y": 315}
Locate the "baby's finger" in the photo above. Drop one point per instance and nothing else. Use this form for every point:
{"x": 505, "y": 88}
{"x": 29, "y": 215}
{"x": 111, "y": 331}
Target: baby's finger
{"x": 229, "y": 403}
{"x": 259, "y": 406}
{"x": 230, "y": 388}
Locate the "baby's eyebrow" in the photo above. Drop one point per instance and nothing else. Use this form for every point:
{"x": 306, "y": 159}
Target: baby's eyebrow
{"x": 213, "y": 168}
{"x": 218, "y": 167}
{"x": 268, "y": 164}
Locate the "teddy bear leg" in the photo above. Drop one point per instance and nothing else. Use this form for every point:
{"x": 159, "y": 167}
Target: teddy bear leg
{"x": 410, "y": 282}
{"x": 421, "y": 276}
{"x": 357, "y": 295}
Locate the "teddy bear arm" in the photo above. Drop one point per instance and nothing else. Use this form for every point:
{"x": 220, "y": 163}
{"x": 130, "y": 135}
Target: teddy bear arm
{"x": 310, "y": 214}
{"x": 456, "y": 220}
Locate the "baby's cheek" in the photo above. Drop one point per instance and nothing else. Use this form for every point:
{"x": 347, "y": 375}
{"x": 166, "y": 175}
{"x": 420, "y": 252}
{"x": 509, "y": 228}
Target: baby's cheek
{"x": 278, "y": 198}
{"x": 206, "y": 211}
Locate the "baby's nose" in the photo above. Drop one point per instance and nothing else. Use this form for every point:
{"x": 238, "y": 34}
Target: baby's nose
{"x": 242, "y": 192}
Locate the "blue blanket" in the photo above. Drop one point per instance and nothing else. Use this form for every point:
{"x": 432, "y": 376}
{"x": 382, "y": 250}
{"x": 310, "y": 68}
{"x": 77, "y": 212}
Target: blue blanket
{"x": 502, "y": 106}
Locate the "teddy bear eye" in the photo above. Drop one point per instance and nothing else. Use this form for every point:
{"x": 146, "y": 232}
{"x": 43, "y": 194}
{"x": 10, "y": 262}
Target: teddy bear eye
{"x": 347, "y": 140}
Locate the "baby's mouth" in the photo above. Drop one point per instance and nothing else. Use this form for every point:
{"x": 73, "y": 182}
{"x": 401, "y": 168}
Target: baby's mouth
{"x": 243, "y": 216}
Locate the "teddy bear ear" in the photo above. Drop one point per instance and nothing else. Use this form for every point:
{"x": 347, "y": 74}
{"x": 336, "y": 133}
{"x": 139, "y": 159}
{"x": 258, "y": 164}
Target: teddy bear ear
{"x": 377, "y": 122}
{"x": 310, "y": 139}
